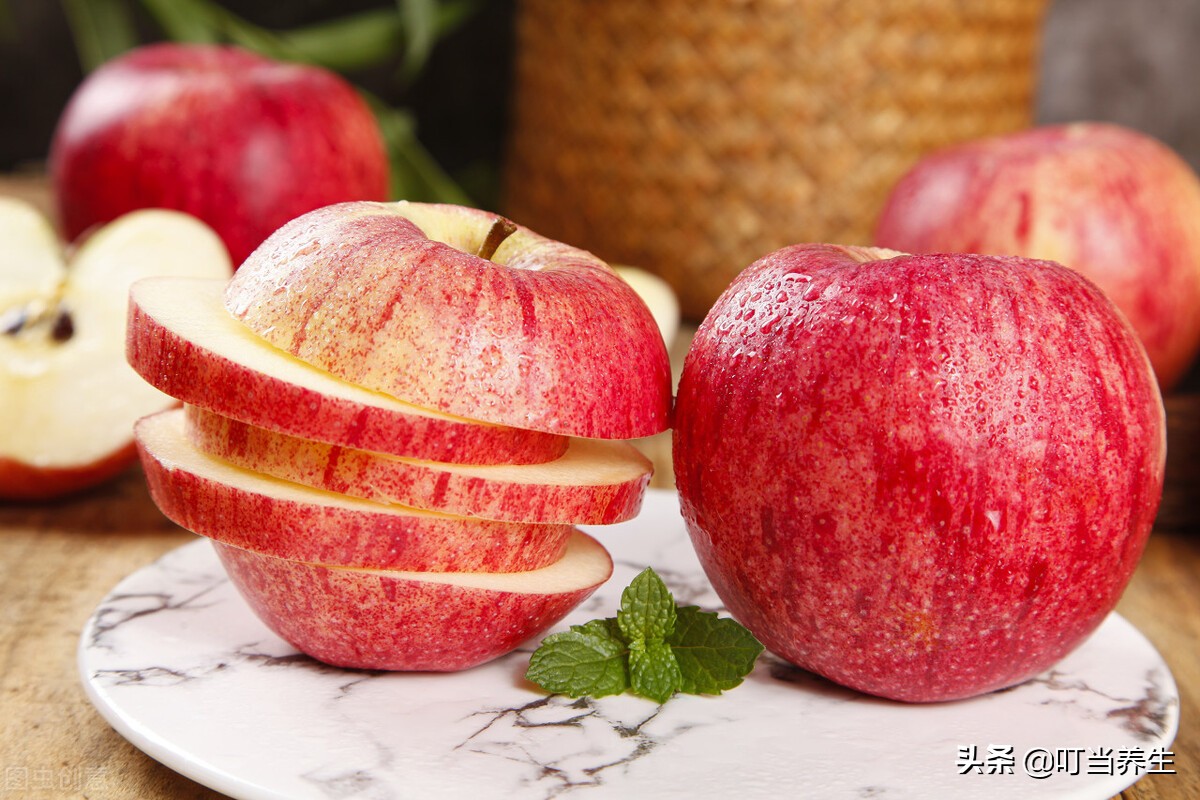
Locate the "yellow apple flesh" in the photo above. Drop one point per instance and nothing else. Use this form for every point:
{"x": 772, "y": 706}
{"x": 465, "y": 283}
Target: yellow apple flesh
{"x": 595, "y": 482}
{"x": 68, "y": 399}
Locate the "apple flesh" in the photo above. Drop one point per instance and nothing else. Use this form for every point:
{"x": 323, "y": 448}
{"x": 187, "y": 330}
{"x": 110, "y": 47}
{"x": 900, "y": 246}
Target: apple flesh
{"x": 923, "y": 477}
{"x": 393, "y": 620}
{"x": 67, "y": 397}
{"x": 396, "y": 298}
{"x": 182, "y": 341}
{"x": 1109, "y": 202}
{"x": 252, "y": 511}
{"x": 243, "y": 142}
{"x": 594, "y": 482}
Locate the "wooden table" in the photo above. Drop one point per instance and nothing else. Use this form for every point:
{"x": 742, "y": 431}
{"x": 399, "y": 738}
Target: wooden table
{"x": 57, "y": 561}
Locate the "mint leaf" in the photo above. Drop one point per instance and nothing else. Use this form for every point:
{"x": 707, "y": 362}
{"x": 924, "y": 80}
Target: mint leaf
{"x": 647, "y": 609}
{"x": 584, "y": 660}
{"x": 653, "y": 671}
{"x": 604, "y": 628}
{"x": 713, "y": 654}
{"x": 651, "y": 647}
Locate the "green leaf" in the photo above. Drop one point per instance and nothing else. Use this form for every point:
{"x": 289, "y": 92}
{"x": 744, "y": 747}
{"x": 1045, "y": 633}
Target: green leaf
{"x": 653, "y": 670}
{"x": 453, "y": 13}
{"x": 194, "y": 21}
{"x": 419, "y": 19}
{"x": 416, "y": 175}
{"x": 650, "y": 647}
{"x": 713, "y": 654}
{"x": 584, "y": 660}
{"x": 350, "y": 43}
{"x": 647, "y": 608}
{"x": 603, "y": 628}
{"x": 101, "y": 29}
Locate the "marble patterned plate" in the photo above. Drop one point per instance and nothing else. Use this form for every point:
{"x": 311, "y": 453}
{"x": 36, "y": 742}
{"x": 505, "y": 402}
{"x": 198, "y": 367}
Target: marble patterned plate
{"x": 177, "y": 663}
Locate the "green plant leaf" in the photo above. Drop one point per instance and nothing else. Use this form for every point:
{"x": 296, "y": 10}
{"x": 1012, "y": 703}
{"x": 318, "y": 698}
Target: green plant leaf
{"x": 350, "y": 43}
{"x": 713, "y": 654}
{"x": 647, "y": 609}
{"x": 193, "y": 21}
{"x": 653, "y": 671}
{"x": 416, "y": 175}
{"x": 584, "y": 660}
{"x": 101, "y": 29}
{"x": 647, "y": 649}
{"x": 419, "y": 19}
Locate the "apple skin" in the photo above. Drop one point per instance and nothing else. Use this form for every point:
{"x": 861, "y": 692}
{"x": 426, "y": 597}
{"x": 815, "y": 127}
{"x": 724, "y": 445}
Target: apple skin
{"x": 922, "y": 477}
{"x": 594, "y": 483}
{"x": 1112, "y": 203}
{"x": 24, "y": 482}
{"x": 181, "y": 341}
{"x": 255, "y": 512}
{"x": 392, "y": 297}
{"x": 374, "y": 619}
{"x": 240, "y": 141}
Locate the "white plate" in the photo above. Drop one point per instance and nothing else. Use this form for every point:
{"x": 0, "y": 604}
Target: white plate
{"x": 178, "y": 664}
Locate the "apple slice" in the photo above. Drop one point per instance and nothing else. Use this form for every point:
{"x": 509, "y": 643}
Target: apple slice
{"x": 391, "y": 620}
{"x": 68, "y": 400}
{"x": 594, "y": 483}
{"x": 455, "y": 309}
{"x": 256, "y": 512}
{"x": 183, "y": 342}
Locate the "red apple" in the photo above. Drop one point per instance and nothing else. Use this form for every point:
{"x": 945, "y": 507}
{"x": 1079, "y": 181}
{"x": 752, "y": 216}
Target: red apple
{"x": 1112, "y": 203}
{"x": 595, "y": 482}
{"x": 182, "y": 341}
{"x": 252, "y": 511}
{"x": 380, "y": 619}
{"x": 68, "y": 400}
{"x": 428, "y": 304}
{"x": 923, "y": 477}
{"x": 240, "y": 141}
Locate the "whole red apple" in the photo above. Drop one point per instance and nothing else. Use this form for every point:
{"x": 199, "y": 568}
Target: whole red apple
{"x": 923, "y": 477}
{"x": 240, "y": 141}
{"x": 1112, "y": 203}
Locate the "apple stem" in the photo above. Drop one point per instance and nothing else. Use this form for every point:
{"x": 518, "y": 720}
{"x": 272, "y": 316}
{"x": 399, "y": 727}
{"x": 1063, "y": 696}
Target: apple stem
{"x": 501, "y": 229}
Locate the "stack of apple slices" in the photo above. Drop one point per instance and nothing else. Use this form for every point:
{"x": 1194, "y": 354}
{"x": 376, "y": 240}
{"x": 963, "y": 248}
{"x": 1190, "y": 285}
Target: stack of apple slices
{"x": 393, "y": 417}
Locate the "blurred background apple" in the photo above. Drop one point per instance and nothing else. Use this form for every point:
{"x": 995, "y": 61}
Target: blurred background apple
{"x": 1112, "y": 203}
{"x": 241, "y": 141}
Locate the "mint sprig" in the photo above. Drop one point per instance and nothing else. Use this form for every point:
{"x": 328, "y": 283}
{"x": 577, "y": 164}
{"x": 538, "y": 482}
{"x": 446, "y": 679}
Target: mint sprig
{"x": 652, "y": 647}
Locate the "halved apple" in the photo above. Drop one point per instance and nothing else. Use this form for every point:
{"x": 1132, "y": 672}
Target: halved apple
{"x": 253, "y": 511}
{"x": 455, "y": 309}
{"x": 594, "y": 482}
{"x": 391, "y": 620}
{"x": 68, "y": 400}
{"x": 183, "y": 341}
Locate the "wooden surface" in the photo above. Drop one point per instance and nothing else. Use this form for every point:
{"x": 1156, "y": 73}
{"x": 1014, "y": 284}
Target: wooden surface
{"x": 58, "y": 560}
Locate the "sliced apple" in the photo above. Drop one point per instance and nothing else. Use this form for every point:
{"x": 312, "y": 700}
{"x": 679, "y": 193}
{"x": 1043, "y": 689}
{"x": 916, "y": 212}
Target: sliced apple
{"x": 183, "y": 342}
{"x": 428, "y": 303}
{"x": 249, "y": 510}
{"x": 391, "y": 620}
{"x": 595, "y": 482}
{"x": 68, "y": 400}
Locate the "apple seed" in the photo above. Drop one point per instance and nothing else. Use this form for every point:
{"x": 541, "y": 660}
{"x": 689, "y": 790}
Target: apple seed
{"x": 38, "y": 315}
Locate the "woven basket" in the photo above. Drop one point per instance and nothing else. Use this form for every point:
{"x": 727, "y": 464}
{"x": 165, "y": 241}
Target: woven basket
{"x": 690, "y": 137}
